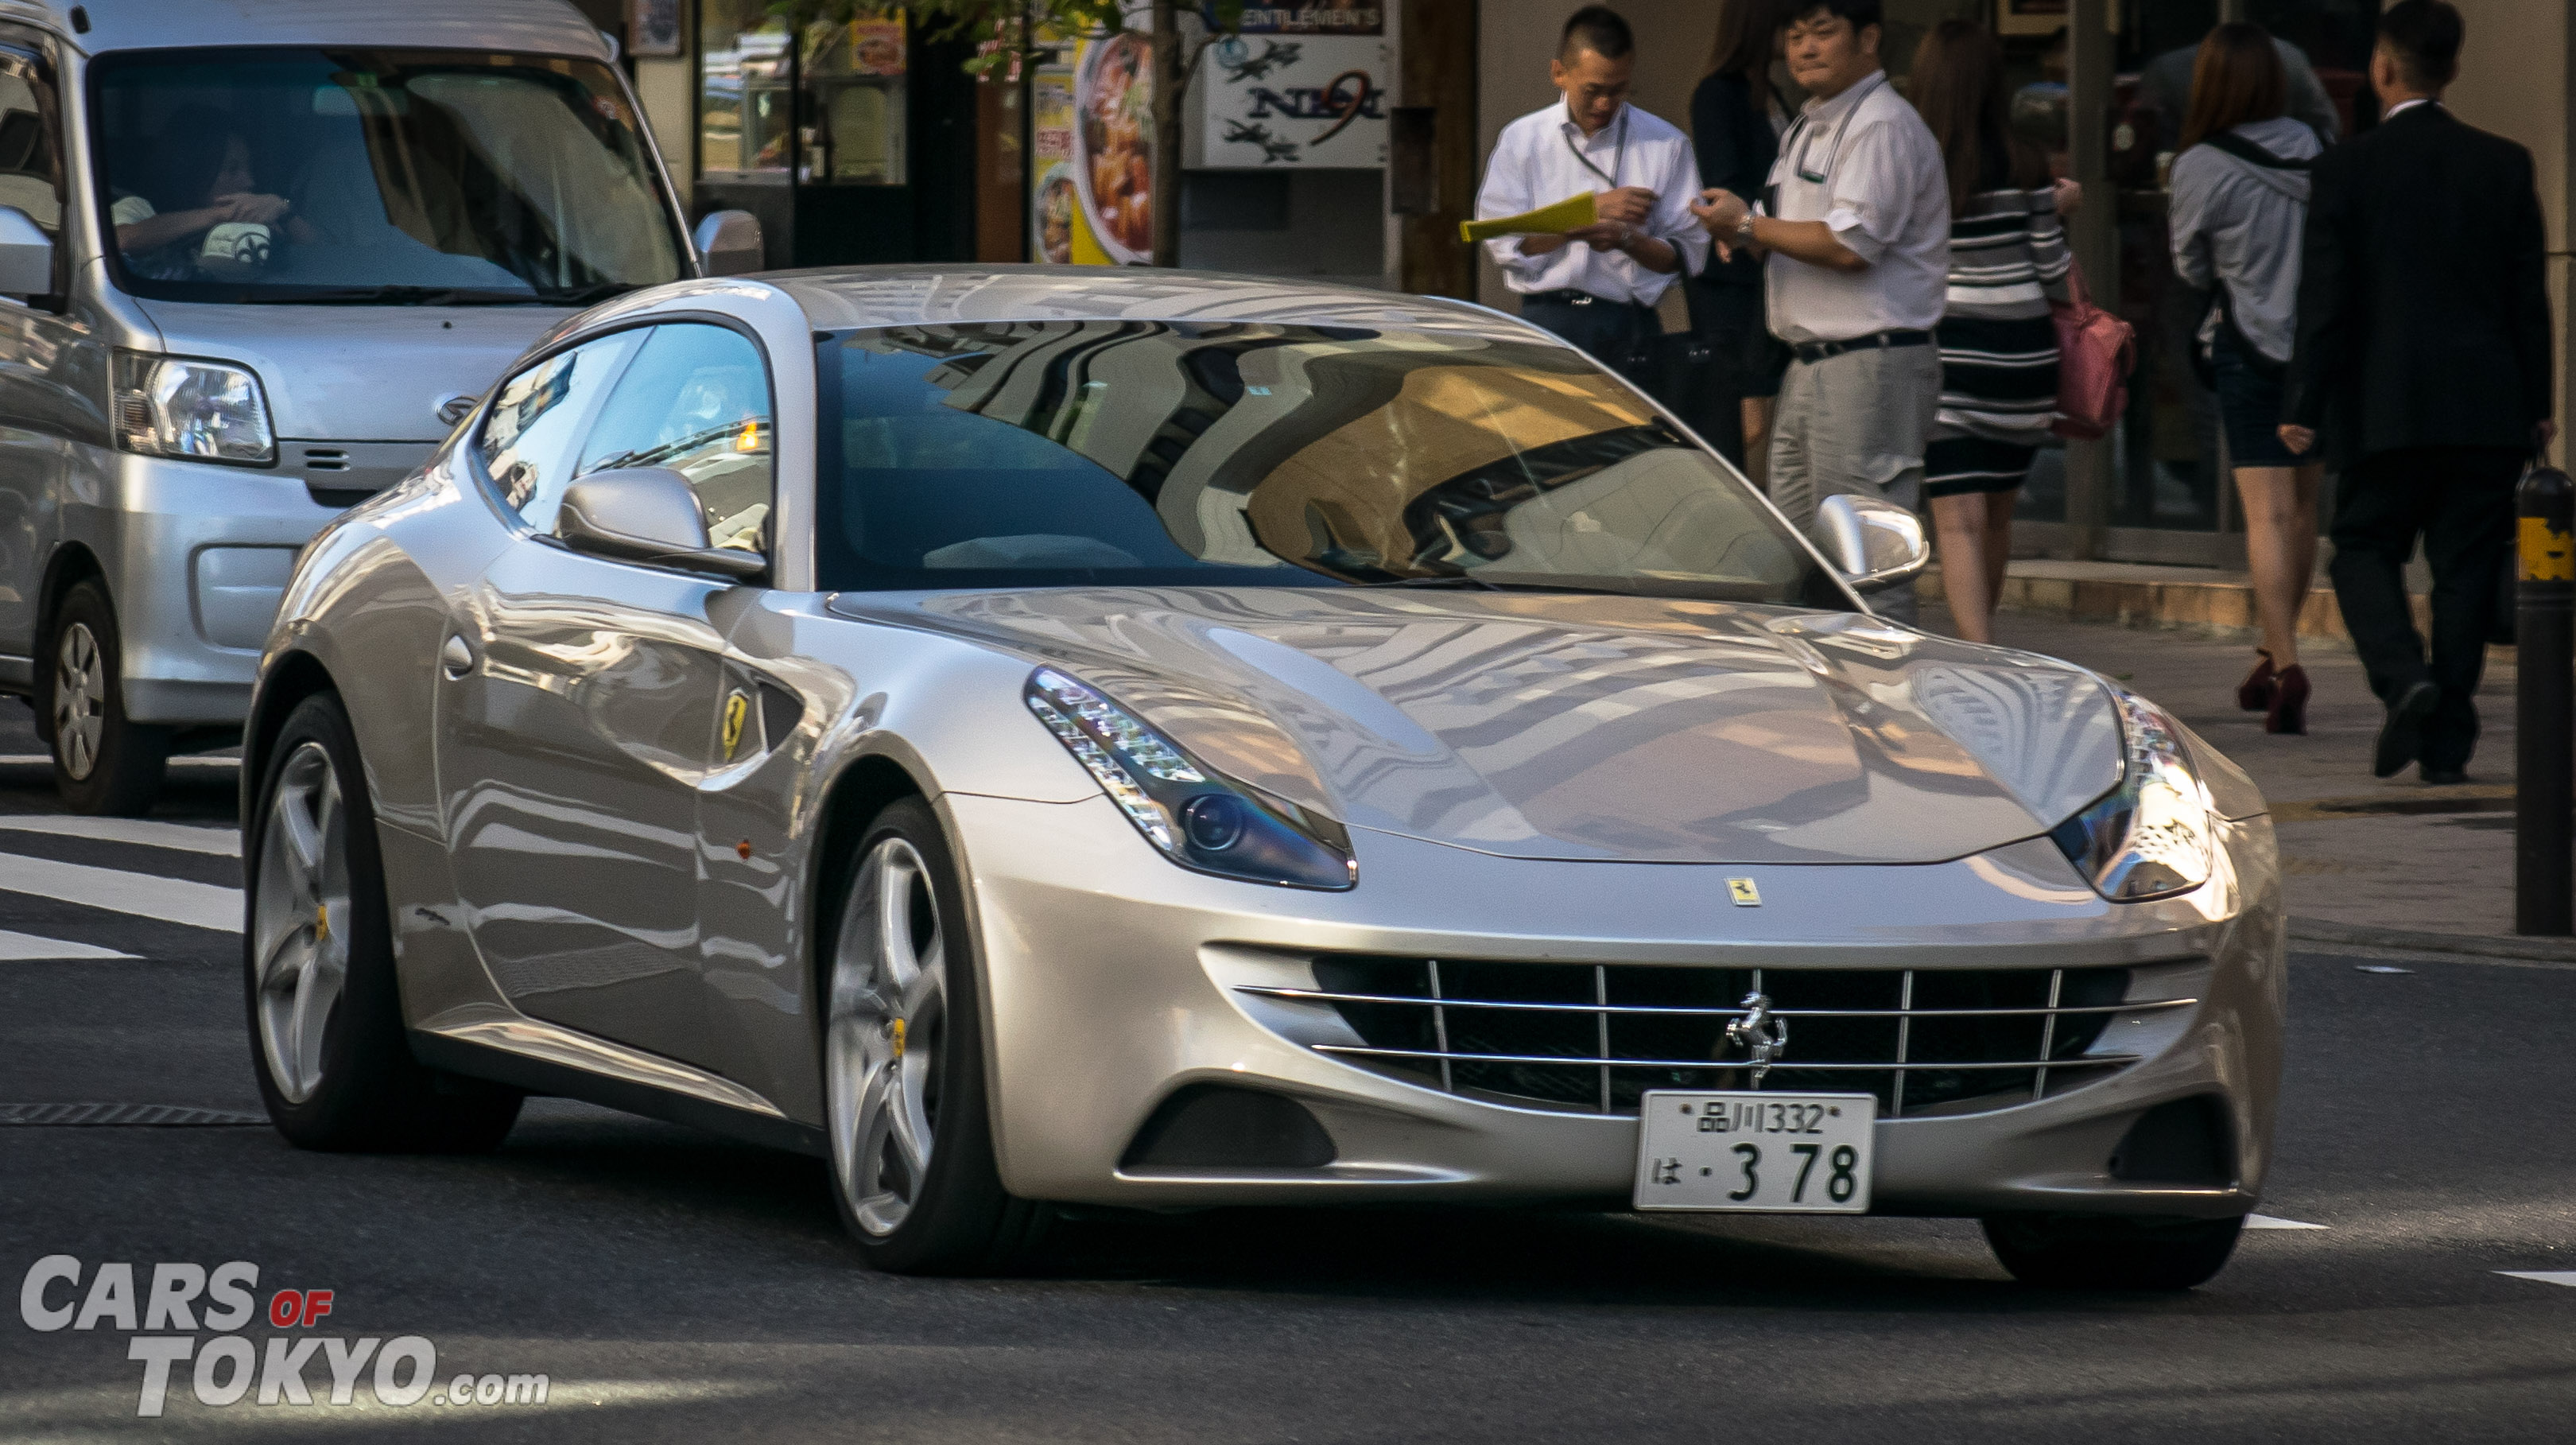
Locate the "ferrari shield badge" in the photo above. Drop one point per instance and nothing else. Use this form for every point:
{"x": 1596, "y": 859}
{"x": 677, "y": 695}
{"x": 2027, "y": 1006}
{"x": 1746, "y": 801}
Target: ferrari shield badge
{"x": 737, "y": 708}
{"x": 1743, "y": 892}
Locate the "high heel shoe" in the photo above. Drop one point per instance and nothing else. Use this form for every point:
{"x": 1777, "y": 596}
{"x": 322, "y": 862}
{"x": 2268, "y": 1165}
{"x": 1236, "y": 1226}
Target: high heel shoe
{"x": 2254, "y": 694}
{"x": 2289, "y": 710}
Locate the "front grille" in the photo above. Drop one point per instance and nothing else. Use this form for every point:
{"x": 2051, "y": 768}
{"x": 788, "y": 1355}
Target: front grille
{"x": 326, "y": 459}
{"x": 1596, "y": 1036}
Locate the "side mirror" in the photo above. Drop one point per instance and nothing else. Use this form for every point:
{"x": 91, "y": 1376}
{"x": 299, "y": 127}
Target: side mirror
{"x": 26, "y": 255}
{"x": 729, "y": 243}
{"x": 648, "y": 515}
{"x": 1874, "y": 544}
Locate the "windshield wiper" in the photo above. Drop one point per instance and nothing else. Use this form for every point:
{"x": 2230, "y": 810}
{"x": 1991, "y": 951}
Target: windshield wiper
{"x": 1469, "y": 579}
{"x": 415, "y": 296}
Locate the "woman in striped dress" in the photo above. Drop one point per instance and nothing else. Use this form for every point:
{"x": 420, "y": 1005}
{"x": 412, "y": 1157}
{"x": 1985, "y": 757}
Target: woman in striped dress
{"x": 2008, "y": 261}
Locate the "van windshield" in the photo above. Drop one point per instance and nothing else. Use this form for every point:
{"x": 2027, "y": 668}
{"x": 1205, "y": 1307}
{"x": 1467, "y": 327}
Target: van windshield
{"x": 376, "y": 176}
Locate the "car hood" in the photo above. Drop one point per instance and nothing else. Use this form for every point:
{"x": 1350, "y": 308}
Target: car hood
{"x": 1583, "y": 727}
{"x": 357, "y": 373}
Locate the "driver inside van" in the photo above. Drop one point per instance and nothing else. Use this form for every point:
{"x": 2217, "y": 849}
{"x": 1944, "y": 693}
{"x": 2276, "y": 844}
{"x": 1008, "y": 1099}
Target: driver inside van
{"x": 197, "y": 179}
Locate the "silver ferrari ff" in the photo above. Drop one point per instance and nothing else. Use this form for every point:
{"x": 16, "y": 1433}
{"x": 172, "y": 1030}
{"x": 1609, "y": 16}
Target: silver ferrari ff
{"x": 1041, "y": 737}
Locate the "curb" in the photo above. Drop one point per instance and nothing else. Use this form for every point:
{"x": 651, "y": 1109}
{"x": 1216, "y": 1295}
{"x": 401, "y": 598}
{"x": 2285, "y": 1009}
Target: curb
{"x": 2544, "y": 950}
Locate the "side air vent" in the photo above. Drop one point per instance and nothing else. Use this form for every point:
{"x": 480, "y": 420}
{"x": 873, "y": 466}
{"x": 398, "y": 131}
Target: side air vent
{"x": 1212, "y": 1126}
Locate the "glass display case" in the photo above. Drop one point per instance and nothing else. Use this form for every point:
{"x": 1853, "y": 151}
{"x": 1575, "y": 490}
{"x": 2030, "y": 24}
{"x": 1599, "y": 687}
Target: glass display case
{"x": 828, "y": 110}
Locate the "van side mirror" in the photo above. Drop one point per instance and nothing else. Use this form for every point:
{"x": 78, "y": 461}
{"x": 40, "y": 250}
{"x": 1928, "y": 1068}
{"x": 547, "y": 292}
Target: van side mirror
{"x": 648, "y": 515}
{"x": 1875, "y": 544}
{"x": 26, "y": 255}
{"x": 729, "y": 243}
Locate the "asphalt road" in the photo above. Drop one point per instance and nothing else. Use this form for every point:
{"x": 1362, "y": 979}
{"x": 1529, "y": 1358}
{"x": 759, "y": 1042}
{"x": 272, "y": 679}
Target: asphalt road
{"x": 673, "y": 1286}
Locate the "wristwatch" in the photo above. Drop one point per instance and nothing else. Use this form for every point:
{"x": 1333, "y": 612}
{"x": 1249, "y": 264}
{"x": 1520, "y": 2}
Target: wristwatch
{"x": 1744, "y": 229}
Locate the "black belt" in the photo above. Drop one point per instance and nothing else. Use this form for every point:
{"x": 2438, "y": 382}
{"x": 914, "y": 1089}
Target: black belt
{"x": 1579, "y": 298}
{"x": 1814, "y": 351}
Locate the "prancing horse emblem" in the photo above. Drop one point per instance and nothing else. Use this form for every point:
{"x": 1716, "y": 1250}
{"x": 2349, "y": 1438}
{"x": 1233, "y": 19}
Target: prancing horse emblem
{"x": 737, "y": 707}
{"x": 1761, "y": 1034}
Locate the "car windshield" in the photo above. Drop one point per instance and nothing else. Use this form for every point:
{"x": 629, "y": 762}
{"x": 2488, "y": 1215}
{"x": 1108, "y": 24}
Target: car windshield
{"x": 376, "y": 176}
{"x": 1051, "y": 453}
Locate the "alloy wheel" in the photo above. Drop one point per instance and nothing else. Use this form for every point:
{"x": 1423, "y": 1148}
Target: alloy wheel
{"x": 80, "y": 700}
{"x": 882, "y": 1036}
{"x": 300, "y": 919}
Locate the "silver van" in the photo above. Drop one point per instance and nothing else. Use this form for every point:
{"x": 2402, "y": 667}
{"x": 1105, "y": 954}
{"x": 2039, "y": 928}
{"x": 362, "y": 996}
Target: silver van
{"x": 257, "y": 259}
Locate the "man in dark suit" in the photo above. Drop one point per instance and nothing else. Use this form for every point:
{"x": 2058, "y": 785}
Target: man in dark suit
{"x": 2424, "y": 357}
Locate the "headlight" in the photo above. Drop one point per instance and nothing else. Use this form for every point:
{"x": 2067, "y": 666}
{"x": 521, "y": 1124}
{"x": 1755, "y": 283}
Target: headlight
{"x": 178, "y": 406}
{"x": 1198, "y": 819}
{"x": 2151, "y": 836}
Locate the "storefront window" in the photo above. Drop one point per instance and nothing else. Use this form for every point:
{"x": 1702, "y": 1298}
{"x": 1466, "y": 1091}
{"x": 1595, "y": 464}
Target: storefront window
{"x": 848, "y": 127}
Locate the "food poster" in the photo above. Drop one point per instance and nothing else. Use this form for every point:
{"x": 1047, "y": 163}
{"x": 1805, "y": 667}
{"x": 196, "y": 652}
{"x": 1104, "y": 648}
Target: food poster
{"x": 1092, "y": 181}
{"x": 1313, "y": 100}
{"x": 877, "y": 46}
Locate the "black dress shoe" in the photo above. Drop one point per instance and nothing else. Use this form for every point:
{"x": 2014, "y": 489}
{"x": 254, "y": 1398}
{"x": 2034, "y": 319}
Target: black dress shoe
{"x": 2445, "y": 777}
{"x": 2401, "y": 738}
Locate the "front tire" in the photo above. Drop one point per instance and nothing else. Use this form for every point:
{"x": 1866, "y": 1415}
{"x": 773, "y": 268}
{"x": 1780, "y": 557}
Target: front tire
{"x": 105, "y": 764}
{"x": 913, "y": 1173}
{"x": 2059, "y": 1251}
{"x": 327, "y": 1040}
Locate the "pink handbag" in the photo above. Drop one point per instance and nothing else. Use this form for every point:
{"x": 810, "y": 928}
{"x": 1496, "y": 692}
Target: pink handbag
{"x": 2095, "y": 351}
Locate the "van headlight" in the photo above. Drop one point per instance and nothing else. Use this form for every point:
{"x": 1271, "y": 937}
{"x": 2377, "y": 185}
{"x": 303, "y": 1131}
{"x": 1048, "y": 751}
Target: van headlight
{"x": 2151, "y": 836}
{"x": 182, "y": 406}
{"x": 1184, "y": 808}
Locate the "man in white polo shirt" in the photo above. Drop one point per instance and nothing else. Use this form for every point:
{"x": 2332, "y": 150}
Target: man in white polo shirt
{"x": 1856, "y": 232}
{"x": 1596, "y": 286}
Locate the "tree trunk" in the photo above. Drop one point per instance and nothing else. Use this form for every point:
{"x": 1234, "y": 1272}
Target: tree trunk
{"x": 1166, "y": 198}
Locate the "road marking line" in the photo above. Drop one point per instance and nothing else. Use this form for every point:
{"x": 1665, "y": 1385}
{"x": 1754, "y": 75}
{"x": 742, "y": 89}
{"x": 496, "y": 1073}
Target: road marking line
{"x": 193, "y": 839}
{"x": 46, "y": 760}
{"x": 172, "y": 900}
{"x": 2542, "y": 1276}
{"x": 28, "y": 948}
{"x": 2265, "y": 1221}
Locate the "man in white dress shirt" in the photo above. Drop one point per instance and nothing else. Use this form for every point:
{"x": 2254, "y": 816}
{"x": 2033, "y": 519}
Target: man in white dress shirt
{"x": 1856, "y": 232}
{"x": 1596, "y": 286}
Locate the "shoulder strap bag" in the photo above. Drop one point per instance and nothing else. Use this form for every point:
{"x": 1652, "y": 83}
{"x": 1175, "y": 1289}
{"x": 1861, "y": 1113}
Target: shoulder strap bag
{"x": 2095, "y": 353}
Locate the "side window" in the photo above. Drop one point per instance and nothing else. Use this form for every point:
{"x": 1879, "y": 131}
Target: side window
{"x": 696, "y": 401}
{"x": 30, "y": 149}
{"x": 527, "y": 443}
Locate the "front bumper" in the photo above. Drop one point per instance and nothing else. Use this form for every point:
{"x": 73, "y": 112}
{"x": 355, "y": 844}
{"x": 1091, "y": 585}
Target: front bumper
{"x": 197, "y": 557}
{"x": 1111, "y": 984}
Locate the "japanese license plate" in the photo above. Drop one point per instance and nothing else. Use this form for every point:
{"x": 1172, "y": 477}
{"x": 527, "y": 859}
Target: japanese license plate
{"x": 1755, "y": 1152}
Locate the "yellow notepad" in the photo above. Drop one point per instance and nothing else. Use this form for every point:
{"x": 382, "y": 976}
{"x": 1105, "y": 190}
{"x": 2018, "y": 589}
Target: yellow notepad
{"x": 1566, "y": 215}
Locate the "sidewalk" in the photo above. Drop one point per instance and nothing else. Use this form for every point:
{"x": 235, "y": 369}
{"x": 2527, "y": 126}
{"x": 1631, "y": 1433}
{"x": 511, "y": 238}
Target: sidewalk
{"x": 2356, "y": 851}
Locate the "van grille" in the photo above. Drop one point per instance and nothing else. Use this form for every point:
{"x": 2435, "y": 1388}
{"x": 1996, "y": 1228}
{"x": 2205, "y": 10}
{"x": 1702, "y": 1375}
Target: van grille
{"x": 325, "y": 459}
{"x": 1596, "y": 1036}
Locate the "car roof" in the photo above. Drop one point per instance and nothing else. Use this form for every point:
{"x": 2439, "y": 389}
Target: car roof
{"x": 550, "y": 27}
{"x": 845, "y": 297}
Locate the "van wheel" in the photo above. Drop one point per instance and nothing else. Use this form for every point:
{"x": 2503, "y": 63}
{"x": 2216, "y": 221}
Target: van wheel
{"x": 910, "y": 1127}
{"x": 2068, "y": 1251}
{"x": 327, "y": 1041}
{"x": 103, "y": 764}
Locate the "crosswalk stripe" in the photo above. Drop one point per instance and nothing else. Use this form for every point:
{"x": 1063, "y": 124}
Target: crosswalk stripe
{"x": 193, "y": 839}
{"x": 46, "y": 760}
{"x": 172, "y": 900}
{"x": 2542, "y": 1276}
{"x": 27, "y": 948}
{"x": 2266, "y": 1221}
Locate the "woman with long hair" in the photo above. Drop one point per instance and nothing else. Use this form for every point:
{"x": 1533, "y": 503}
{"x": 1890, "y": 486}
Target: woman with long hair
{"x": 2238, "y": 214}
{"x": 2008, "y": 261}
{"x": 1736, "y": 119}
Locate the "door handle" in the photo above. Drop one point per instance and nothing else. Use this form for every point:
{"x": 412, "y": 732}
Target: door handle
{"x": 457, "y": 658}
